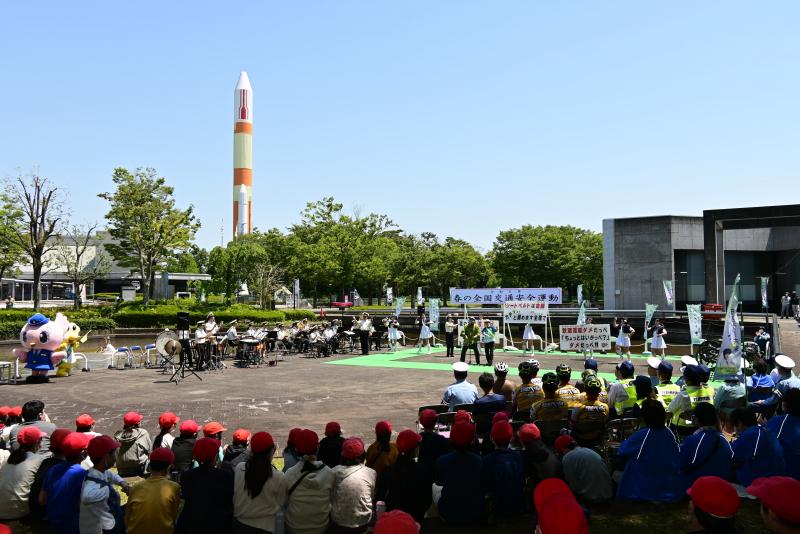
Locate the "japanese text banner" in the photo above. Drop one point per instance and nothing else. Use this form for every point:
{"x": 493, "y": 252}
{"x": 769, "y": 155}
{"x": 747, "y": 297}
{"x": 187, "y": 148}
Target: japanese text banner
{"x": 584, "y": 337}
{"x": 552, "y": 295}
{"x": 525, "y": 312}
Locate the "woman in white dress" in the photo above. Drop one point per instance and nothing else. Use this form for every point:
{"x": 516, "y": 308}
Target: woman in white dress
{"x": 623, "y": 337}
{"x": 658, "y": 338}
{"x": 425, "y": 334}
{"x": 392, "y": 328}
{"x": 527, "y": 339}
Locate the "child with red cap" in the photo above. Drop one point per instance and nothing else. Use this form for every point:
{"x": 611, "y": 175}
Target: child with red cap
{"x": 713, "y": 506}
{"x": 540, "y": 462}
{"x": 778, "y": 496}
{"x": 153, "y": 503}
{"x": 557, "y": 510}
{"x": 353, "y": 490}
{"x": 431, "y": 446}
{"x": 310, "y": 483}
{"x": 100, "y": 509}
{"x": 85, "y": 423}
{"x": 382, "y": 453}
{"x": 167, "y": 422}
{"x": 61, "y": 489}
{"x": 135, "y": 446}
{"x": 38, "y": 511}
{"x": 396, "y": 522}
{"x": 405, "y": 485}
{"x": 290, "y": 456}
{"x": 17, "y": 476}
{"x": 330, "y": 447}
{"x": 461, "y": 500}
{"x": 207, "y": 493}
{"x": 259, "y": 489}
{"x": 183, "y": 445}
{"x": 502, "y": 474}
{"x": 236, "y": 452}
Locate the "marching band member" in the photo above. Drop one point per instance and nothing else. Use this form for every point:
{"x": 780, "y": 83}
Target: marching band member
{"x": 425, "y": 334}
{"x": 364, "y": 327}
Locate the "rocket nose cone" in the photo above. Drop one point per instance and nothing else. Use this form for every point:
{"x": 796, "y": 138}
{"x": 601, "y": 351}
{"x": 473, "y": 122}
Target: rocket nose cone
{"x": 244, "y": 81}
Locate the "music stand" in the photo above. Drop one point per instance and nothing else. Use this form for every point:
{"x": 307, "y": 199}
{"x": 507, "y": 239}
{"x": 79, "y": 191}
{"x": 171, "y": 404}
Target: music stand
{"x": 186, "y": 350}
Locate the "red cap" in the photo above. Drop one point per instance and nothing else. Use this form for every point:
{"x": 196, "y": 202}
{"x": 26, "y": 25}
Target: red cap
{"x": 714, "y": 496}
{"x": 29, "y": 435}
{"x": 499, "y": 416}
{"x": 396, "y": 522}
{"x": 5, "y": 529}
{"x": 162, "y": 454}
{"x": 212, "y": 429}
{"x": 99, "y": 446}
{"x": 306, "y": 442}
{"x": 73, "y": 443}
{"x": 462, "y": 416}
{"x": 352, "y": 448}
{"x": 407, "y": 441}
{"x": 562, "y": 442}
{"x": 241, "y": 435}
{"x": 427, "y": 418}
{"x": 549, "y": 487}
{"x": 333, "y": 429}
{"x": 15, "y": 411}
{"x": 189, "y": 427}
{"x": 293, "y": 433}
{"x": 84, "y": 419}
{"x": 529, "y": 432}
{"x": 383, "y": 428}
{"x": 205, "y": 449}
{"x": 462, "y": 434}
{"x": 4, "y": 411}
{"x": 57, "y": 438}
{"x": 131, "y": 418}
{"x": 502, "y": 433}
{"x": 261, "y": 441}
{"x": 778, "y": 494}
{"x": 167, "y": 419}
{"x": 561, "y": 514}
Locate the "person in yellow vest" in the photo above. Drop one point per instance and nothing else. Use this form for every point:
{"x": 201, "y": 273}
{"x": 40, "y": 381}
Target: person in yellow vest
{"x": 590, "y": 410}
{"x": 666, "y": 389}
{"x": 622, "y": 393}
{"x": 552, "y": 407}
{"x": 565, "y": 390}
{"x": 530, "y": 391}
{"x": 695, "y": 392}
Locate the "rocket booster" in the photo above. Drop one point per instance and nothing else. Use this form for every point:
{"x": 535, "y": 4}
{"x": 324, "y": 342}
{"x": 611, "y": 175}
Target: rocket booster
{"x": 242, "y": 156}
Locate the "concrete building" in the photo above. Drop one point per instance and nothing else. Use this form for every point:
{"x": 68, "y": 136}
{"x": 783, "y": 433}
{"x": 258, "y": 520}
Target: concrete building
{"x": 701, "y": 256}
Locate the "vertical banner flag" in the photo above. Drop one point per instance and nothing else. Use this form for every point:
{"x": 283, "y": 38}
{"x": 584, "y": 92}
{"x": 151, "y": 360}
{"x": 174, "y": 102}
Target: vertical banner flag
{"x": 728, "y": 366}
{"x": 399, "y": 302}
{"x": 296, "y": 292}
{"x": 582, "y": 314}
{"x": 389, "y": 295}
{"x": 580, "y": 294}
{"x": 764, "y": 282}
{"x": 649, "y": 311}
{"x": 420, "y": 300}
{"x": 668, "y": 291}
{"x": 433, "y": 314}
{"x": 695, "y": 323}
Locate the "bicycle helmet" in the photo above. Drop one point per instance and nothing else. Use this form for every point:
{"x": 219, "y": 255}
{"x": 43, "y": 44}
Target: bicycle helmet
{"x": 550, "y": 379}
{"x": 563, "y": 369}
{"x": 501, "y": 367}
{"x": 525, "y": 368}
{"x": 593, "y": 383}
{"x": 534, "y": 363}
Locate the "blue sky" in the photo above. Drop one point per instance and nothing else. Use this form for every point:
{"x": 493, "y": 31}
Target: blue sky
{"x": 456, "y": 117}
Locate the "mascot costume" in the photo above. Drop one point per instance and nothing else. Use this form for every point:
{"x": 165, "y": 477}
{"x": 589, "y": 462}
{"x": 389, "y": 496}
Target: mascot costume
{"x": 72, "y": 340}
{"x": 40, "y": 339}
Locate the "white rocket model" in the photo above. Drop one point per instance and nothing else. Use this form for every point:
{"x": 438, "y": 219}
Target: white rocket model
{"x": 242, "y": 224}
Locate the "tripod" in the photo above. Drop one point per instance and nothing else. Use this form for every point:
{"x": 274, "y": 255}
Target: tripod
{"x": 182, "y": 369}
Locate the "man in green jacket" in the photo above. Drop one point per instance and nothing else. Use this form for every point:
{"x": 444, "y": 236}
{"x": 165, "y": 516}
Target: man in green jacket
{"x": 472, "y": 335}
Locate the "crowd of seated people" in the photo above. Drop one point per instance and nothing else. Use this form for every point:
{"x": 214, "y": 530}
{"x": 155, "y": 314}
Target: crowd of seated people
{"x": 544, "y": 446}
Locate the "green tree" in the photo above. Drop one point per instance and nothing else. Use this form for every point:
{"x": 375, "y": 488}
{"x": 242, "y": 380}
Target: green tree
{"x": 235, "y": 264}
{"x": 81, "y": 258}
{"x": 183, "y": 262}
{"x": 146, "y": 223}
{"x": 11, "y": 255}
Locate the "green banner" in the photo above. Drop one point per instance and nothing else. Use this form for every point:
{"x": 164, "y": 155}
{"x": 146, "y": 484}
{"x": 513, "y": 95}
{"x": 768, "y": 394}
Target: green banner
{"x": 728, "y": 365}
{"x": 695, "y": 323}
{"x": 649, "y": 311}
{"x": 433, "y": 314}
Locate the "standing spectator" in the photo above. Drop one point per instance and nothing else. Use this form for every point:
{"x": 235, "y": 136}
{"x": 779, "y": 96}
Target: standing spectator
{"x": 39, "y": 510}
{"x": 167, "y": 422}
{"x": 778, "y": 496}
{"x": 207, "y": 493}
{"x": 290, "y": 456}
{"x": 236, "y": 452}
{"x": 706, "y": 452}
{"x": 153, "y": 503}
{"x": 756, "y": 452}
{"x": 382, "y": 453}
{"x": 540, "y": 462}
{"x": 100, "y": 508}
{"x": 786, "y": 306}
{"x": 460, "y": 500}
{"x": 135, "y": 446}
{"x": 502, "y": 385}
{"x": 33, "y": 414}
{"x": 183, "y": 445}
{"x": 713, "y": 506}
{"x": 795, "y": 301}
{"x": 431, "y": 446}
{"x": 461, "y": 391}
{"x": 786, "y": 428}
{"x": 330, "y": 447}
{"x": 19, "y": 472}
{"x": 61, "y": 490}
{"x": 353, "y": 490}
{"x": 502, "y": 474}
{"x": 259, "y": 489}
{"x": 585, "y": 471}
{"x": 404, "y": 485}
{"x": 310, "y": 484}
{"x": 652, "y": 460}
{"x": 471, "y": 334}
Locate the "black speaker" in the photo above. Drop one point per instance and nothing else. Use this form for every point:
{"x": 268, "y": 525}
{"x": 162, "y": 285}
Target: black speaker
{"x": 183, "y": 322}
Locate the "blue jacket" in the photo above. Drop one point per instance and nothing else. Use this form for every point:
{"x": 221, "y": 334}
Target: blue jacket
{"x": 651, "y": 471}
{"x": 705, "y": 453}
{"x": 786, "y": 428}
{"x": 757, "y": 453}
{"x": 462, "y": 498}
{"x": 503, "y": 477}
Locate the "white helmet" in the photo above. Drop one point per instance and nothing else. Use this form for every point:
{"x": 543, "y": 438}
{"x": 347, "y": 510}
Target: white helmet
{"x": 501, "y": 367}
{"x": 534, "y": 362}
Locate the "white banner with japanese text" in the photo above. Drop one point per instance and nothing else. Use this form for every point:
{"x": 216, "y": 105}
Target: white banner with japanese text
{"x": 552, "y": 295}
{"x": 525, "y": 312}
{"x": 584, "y": 337}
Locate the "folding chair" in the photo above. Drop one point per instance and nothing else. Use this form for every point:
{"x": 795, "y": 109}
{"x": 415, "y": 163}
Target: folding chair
{"x": 618, "y": 431}
{"x": 149, "y": 349}
{"x": 122, "y": 352}
{"x": 136, "y": 350}
{"x": 522, "y": 415}
{"x": 465, "y": 407}
{"x": 551, "y": 430}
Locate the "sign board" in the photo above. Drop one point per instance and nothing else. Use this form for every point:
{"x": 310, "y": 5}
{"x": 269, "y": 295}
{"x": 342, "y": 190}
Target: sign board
{"x": 128, "y": 293}
{"x": 525, "y": 312}
{"x": 584, "y": 337}
{"x": 551, "y": 295}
